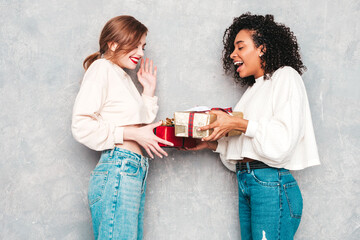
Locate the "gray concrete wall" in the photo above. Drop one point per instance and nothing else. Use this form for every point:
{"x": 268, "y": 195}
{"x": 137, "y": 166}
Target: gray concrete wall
{"x": 44, "y": 173}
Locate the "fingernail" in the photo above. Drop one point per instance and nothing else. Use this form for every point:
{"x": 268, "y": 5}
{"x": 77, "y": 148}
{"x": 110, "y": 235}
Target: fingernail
{"x": 199, "y": 129}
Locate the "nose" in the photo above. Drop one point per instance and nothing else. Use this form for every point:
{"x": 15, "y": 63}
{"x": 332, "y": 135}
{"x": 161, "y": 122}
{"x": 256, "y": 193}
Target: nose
{"x": 140, "y": 51}
{"x": 233, "y": 54}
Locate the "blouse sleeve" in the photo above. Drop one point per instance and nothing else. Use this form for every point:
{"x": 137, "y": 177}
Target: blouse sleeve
{"x": 88, "y": 127}
{"x": 151, "y": 107}
{"x": 274, "y": 139}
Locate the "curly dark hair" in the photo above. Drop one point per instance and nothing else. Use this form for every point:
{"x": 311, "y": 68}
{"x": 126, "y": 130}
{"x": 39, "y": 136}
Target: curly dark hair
{"x": 279, "y": 41}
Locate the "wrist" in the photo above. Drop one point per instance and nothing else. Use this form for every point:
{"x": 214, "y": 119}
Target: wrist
{"x": 212, "y": 145}
{"x": 130, "y": 133}
{"x": 240, "y": 124}
{"x": 149, "y": 92}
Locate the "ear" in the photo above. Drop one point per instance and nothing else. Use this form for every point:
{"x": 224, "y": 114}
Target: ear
{"x": 112, "y": 46}
{"x": 261, "y": 50}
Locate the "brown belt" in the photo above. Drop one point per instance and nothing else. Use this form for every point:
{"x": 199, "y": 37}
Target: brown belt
{"x": 245, "y": 160}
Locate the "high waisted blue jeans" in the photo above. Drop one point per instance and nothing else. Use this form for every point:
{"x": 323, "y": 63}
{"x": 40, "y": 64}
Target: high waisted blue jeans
{"x": 117, "y": 195}
{"x": 270, "y": 204}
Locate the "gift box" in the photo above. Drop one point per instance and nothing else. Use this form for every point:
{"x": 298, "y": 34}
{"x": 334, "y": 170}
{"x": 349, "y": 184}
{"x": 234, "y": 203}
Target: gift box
{"x": 187, "y": 122}
{"x": 168, "y": 133}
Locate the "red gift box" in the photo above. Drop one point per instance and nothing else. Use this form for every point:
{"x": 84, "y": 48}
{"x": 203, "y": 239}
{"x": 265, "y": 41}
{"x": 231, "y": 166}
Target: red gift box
{"x": 168, "y": 133}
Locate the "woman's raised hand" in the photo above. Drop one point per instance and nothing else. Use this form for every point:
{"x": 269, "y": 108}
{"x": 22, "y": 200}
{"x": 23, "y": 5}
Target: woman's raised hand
{"x": 146, "y": 138}
{"x": 147, "y": 77}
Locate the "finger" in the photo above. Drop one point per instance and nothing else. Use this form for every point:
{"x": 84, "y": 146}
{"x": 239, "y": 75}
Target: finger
{"x": 217, "y": 112}
{"x": 210, "y": 137}
{"x": 159, "y": 149}
{"x": 219, "y": 135}
{"x": 215, "y": 136}
{"x": 151, "y": 67}
{"x": 149, "y": 152}
{"x": 155, "y": 71}
{"x": 207, "y": 127}
{"x": 152, "y": 148}
{"x": 147, "y": 65}
{"x": 142, "y": 64}
{"x": 160, "y": 140}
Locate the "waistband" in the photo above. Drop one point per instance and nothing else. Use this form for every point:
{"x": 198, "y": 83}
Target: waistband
{"x": 120, "y": 152}
{"x": 249, "y": 165}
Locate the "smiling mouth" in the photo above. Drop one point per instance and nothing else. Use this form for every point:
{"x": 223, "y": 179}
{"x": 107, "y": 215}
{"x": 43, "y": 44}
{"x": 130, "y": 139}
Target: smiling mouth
{"x": 238, "y": 64}
{"x": 135, "y": 60}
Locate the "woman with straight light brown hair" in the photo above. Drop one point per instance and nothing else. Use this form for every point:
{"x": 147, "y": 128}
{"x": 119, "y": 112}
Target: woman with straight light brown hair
{"x": 111, "y": 116}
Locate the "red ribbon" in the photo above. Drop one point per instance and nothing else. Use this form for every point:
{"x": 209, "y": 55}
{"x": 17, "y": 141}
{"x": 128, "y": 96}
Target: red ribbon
{"x": 191, "y": 118}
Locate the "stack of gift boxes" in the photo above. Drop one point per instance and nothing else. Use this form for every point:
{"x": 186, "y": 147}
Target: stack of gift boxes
{"x": 182, "y": 130}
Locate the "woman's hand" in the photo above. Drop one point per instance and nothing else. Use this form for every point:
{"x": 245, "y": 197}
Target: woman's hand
{"x": 147, "y": 77}
{"x": 146, "y": 138}
{"x": 200, "y": 145}
{"x": 224, "y": 123}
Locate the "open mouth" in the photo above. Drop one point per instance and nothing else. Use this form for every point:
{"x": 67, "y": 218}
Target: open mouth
{"x": 238, "y": 64}
{"x": 135, "y": 60}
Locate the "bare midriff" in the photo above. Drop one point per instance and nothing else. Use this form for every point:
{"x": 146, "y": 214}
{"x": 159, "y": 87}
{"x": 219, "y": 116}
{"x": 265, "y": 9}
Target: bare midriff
{"x": 131, "y": 145}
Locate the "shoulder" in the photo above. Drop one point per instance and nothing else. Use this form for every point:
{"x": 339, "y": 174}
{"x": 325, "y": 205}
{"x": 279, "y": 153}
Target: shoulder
{"x": 98, "y": 72}
{"x": 286, "y": 76}
{"x": 287, "y": 80}
{"x": 99, "y": 64}
{"x": 286, "y": 71}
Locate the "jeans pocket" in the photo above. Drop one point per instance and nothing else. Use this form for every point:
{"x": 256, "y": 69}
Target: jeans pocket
{"x": 266, "y": 177}
{"x": 130, "y": 168}
{"x": 294, "y": 199}
{"x": 97, "y": 184}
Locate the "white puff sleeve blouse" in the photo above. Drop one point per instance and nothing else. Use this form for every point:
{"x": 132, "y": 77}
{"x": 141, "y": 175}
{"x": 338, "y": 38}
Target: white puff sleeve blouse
{"x": 280, "y": 131}
{"x": 107, "y": 101}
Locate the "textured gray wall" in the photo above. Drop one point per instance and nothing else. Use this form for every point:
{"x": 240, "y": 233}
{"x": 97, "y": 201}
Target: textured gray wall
{"x": 44, "y": 173}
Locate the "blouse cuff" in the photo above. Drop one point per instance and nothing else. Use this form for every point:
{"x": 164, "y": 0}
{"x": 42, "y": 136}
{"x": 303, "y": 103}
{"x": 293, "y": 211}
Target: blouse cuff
{"x": 251, "y": 128}
{"x": 150, "y": 100}
{"x": 119, "y": 135}
{"x": 221, "y": 147}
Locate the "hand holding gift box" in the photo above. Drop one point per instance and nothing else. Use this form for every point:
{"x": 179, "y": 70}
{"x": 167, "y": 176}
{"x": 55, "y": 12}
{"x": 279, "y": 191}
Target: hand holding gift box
{"x": 188, "y": 122}
{"x": 167, "y": 132}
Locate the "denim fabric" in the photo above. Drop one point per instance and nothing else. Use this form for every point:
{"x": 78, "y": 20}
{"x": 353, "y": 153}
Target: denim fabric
{"x": 270, "y": 204}
{"x": 117, "y": 195}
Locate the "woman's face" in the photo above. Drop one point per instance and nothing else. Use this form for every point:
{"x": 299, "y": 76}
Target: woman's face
{"x": 246, "y": 56}
{"x": 131, "y": 59}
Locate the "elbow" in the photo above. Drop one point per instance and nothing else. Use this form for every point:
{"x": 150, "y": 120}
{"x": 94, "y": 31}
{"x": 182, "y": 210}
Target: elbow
{"x": 277, "y": 153}
{"x": 76, "y": 132}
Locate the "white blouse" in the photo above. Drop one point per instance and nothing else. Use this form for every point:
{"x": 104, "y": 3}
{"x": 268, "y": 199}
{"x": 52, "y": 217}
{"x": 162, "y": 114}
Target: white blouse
{"x": 107, "y": 101}
{"x": 280, "y": 130}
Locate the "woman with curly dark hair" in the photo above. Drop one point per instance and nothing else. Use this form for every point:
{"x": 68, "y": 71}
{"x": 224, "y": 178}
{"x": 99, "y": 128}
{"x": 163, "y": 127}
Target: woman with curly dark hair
{"x": 278, "y": 134}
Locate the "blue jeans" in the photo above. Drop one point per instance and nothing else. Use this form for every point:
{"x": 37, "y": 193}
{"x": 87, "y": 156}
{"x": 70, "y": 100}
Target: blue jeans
{"x": 117, "y": 195}
{"x": 270, "y": 204}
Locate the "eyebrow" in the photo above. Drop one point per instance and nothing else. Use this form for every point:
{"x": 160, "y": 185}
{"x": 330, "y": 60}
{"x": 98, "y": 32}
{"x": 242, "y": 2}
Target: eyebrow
{"x": 240, "y": 41}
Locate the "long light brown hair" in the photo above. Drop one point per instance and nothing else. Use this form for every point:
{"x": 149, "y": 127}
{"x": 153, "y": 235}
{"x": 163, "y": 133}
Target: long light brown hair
{"x": 124, "y": 30}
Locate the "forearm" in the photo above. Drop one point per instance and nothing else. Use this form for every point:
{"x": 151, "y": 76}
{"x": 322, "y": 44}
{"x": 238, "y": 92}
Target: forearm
{"x": 149, "y": 92}
{"x": 212, "y": 145}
